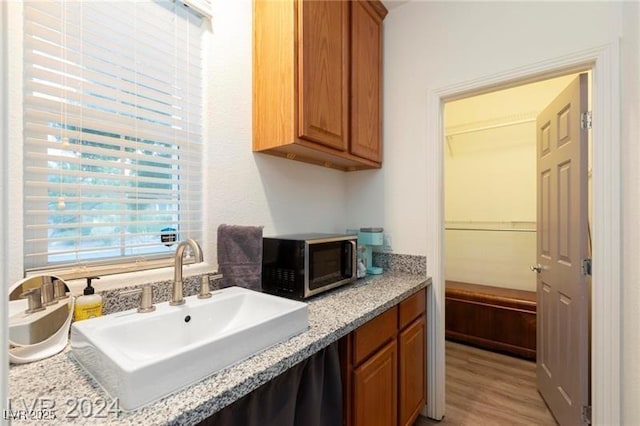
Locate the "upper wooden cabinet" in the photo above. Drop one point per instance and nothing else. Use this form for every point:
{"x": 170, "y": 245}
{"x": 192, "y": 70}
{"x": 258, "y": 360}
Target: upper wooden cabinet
{"x": 366, "y": 84}
{"x": 317, "y": 81}
{"x": 323, "y": 73}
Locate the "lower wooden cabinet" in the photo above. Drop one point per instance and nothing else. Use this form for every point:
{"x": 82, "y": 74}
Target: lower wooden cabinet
{"x": 375, "y": 390}
{"x": 384, "y": 367}
{"x": 412, "y": 370}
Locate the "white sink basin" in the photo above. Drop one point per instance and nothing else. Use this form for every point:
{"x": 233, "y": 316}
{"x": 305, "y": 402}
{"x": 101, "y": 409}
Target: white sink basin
{"x": 139, "y": 358}
{"x": 29, "y": 329}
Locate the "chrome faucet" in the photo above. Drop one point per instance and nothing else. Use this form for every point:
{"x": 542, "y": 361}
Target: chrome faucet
{"x": 176, "y": 297}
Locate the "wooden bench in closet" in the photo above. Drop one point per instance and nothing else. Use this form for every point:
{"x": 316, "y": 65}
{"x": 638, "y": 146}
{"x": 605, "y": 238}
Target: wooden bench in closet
{"x": 493, "y": 318}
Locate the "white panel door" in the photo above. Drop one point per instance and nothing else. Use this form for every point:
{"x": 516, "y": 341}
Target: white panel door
{"x": 563, "y": 294}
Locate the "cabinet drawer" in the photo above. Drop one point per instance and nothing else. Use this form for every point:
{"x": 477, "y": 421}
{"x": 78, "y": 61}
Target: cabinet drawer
{"x": 374, "y": 334}
{"x": 412, "y": 308}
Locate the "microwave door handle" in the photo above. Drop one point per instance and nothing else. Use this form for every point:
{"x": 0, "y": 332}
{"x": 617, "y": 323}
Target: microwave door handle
{"x": 354, "y": 258}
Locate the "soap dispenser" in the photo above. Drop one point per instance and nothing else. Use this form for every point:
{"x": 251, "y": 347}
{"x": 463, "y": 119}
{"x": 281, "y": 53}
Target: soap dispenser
{"x": 89, "y": 305}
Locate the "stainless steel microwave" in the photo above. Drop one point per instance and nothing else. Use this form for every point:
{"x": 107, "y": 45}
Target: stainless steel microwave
{"x": 303, "y": 265}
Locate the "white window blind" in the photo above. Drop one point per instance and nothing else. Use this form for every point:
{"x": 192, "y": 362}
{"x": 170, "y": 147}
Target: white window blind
{"x": 113, "y": 132}
{"x": 203, "y": 7}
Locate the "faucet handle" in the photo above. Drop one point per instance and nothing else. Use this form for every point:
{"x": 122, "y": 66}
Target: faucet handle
{"x": 34, "y": 300}
{"x": 59, "y": 291}
{"x": 205, "y": 290}
{"x": 47, "y": 293}
{"x": 146, "y": 298}
{"x": 216, "y": 277}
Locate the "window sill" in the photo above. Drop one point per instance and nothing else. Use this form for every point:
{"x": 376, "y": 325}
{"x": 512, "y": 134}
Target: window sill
{"x": 129, "y": 279}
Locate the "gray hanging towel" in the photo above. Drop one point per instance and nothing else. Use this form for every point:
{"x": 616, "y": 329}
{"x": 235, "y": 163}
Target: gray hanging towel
{"x": 240, "y": 256}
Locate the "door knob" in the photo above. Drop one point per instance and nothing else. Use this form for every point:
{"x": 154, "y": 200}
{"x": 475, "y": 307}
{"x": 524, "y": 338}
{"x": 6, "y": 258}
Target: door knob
{"x": 538, "y": 268}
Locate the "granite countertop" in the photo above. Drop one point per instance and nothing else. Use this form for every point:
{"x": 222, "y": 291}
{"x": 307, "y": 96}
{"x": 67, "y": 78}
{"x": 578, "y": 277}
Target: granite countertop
{"x": 58, "y": 387}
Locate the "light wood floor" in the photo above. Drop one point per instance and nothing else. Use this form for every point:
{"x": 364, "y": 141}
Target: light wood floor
{"x": 486, "y": 388}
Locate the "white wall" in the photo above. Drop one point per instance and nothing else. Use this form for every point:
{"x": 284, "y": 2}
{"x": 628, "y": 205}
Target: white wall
{"x": 490, "y": 184}
{"x": 630, "y": 47}
{"x": 256, "y": 189}
{"x": 12, "y": 187}
{"x": 4, "y": 342}
{"x": 499, "y": 259}
{"x": 430, "y": 45}
{"x": 490, "y": 176}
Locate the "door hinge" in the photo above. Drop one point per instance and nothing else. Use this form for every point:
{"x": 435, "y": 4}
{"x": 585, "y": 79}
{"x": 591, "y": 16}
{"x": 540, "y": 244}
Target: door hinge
{"x": 586, "y": 414}
{"x": 586, "y": 267}
{"x": 586, "y": 120}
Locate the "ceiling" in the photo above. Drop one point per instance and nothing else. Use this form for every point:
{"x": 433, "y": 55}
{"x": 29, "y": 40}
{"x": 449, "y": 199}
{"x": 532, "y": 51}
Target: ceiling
{"x": 528, "y": 99}
{"x": 392, "y": 4}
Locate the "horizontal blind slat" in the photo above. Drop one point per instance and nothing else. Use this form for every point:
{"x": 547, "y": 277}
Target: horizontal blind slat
{"x": 46, "y": 82}
{"x": 40, "y": 136}
{"x": 70, "y": 70}
{"x": 102, "y": 224}
{"x": 105, "y": 212}
{"x": 117, "y": 125}
{"x": 87, "y": 178}
{"x": 115, "y": 192}
{"x": 147, "y": 113}
{"x": 105, "y": 81}
{"x": 107, "y": 21}
{"x": 114, "y": 236}
{"x": 148, "y": 61}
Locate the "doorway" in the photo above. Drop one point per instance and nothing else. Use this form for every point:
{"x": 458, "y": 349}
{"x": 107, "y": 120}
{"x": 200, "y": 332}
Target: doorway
{"x": 490, "y": 184}
{"x": 605, "y": 319}
{"x": 491, "y": 234}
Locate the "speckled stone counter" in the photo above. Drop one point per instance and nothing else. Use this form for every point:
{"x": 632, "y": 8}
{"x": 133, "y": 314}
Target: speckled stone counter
{"x": 59, "y": 384}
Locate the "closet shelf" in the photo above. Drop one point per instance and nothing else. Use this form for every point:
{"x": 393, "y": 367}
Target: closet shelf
{"x": 510, "y": 226}
{"x": 479, "y": 126}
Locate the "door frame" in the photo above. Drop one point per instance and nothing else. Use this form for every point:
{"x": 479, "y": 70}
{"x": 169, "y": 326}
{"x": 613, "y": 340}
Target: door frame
{"x": 4, "y": 206}
{"x": 604, "y": 61}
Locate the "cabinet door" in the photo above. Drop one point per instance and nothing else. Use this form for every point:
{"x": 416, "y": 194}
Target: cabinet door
{"x": 366, "y": 71}
{"x": 323, "y": 72}
{"x": 412, "y": 342}
{"x": 376, "y": 390}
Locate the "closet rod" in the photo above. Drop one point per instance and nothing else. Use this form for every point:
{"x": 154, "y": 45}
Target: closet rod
{"x": 490, "y": 229}
{"x": 493, "y": 126}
